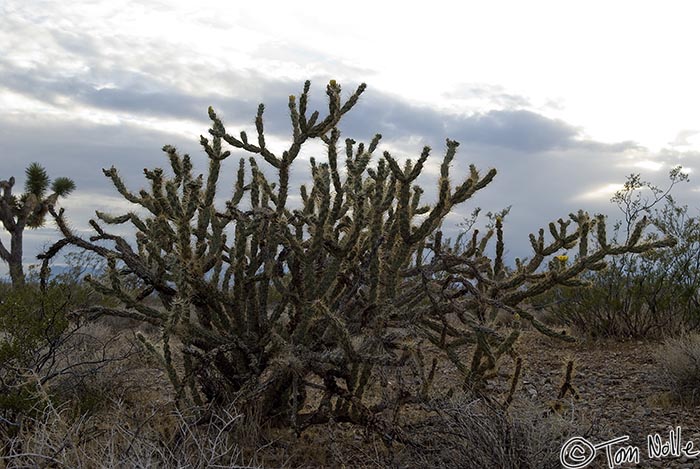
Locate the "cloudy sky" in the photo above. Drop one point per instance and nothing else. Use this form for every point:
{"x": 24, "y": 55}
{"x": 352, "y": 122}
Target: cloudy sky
{"x": 564, "y": 99}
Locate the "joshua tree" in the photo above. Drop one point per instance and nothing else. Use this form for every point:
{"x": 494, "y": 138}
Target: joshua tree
{"x": 27, "y": 211}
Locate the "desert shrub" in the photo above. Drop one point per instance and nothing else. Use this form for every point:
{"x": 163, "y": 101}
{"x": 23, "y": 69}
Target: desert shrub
{"x": 33, "y": 325}
{"x": 654, "y": 294}
{"x": 474, "y": 433}
{"x": 678, "y": 365}
{"x": 307, "y": 312}
{"x": 46, "y": 352}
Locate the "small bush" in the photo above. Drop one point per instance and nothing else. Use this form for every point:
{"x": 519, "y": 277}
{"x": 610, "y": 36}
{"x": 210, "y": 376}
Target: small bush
{"x": 46, "y": 354}
{"x": 678, "y": 362}
{"x": 33, "y": 325}
{"x": 469, "y": 432}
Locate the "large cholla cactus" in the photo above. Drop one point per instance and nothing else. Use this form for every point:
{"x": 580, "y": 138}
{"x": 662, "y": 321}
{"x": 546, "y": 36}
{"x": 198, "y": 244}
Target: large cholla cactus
{"x": 308, "y": 311}
{"x": 27, "y": 210}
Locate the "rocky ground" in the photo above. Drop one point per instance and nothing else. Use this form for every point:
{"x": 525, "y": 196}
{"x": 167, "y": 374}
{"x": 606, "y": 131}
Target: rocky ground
{"x": 621, "y": 394}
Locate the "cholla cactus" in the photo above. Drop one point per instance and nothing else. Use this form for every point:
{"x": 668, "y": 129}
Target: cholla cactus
{"x": 268, "y": 301}
{"x": 27, "y": 211}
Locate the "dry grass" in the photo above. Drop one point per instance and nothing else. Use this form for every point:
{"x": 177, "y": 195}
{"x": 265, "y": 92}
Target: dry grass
{"x": 678, "y": 361}
{"x": 459, "y": 432}
{"x": 484, "y": 435}
{"x": 157, "y": 439}
{"x": 110, "y": 406}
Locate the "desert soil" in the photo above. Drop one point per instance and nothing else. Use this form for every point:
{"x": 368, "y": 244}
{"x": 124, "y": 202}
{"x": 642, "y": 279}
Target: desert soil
{"x": 620, "y": 392}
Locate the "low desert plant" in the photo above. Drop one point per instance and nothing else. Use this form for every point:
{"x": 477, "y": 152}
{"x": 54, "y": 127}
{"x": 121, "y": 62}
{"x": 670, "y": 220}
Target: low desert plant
{"x": 46, "y": 353}
{"x": 33, "y": 326}
{"x": 471, "y": 432}
{"x": 678, "y": 365}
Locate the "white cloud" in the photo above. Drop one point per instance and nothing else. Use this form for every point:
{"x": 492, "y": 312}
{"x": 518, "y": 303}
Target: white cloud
{"x": 603, "y": 192}
{"x": 649, "y": 165}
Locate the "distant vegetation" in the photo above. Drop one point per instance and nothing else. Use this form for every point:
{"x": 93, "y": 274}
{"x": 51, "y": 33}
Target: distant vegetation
{"x": 654, "y": 294}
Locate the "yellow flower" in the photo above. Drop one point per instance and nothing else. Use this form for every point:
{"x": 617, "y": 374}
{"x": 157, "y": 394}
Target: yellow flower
{"x": 332, "y": 83}
{"x": 292, "y": 97}
{"x": 563, "y": 257}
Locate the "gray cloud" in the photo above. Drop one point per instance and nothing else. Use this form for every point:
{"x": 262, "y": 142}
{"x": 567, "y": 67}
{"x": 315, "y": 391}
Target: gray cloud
{"x": 523, "y": 130}
{"x": 520, "y": 130}
{"x": 80, "y": 150}
{"x": 135, "y": 93}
